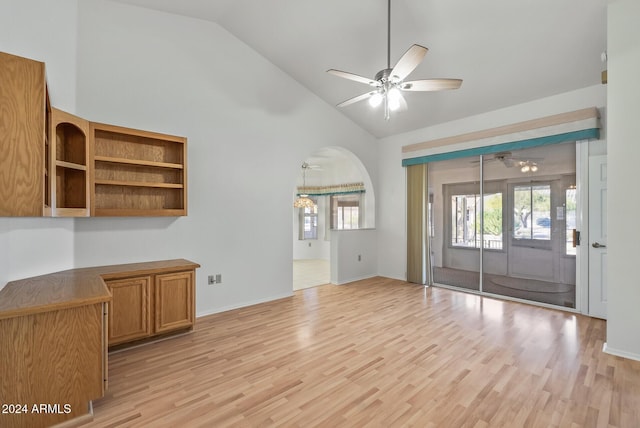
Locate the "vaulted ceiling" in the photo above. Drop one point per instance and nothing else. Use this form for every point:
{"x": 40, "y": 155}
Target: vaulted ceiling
{"x": 506, "y": 51}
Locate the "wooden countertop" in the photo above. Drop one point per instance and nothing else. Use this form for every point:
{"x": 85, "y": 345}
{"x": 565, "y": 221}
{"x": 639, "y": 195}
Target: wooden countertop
{"x": 74, "y": 287}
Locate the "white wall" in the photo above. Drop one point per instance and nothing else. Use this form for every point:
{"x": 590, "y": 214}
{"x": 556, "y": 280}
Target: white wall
{"x": 353, "y": 255}
{"x": 623, "y": 312}
{"x": 44, "y": 31}
{"x": 248, "y": 126}
{"x": 391, "y": 224}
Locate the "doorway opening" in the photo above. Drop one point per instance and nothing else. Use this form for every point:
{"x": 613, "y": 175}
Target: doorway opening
{"x": 505, "y": 224}
{"x": 343, "y": 199}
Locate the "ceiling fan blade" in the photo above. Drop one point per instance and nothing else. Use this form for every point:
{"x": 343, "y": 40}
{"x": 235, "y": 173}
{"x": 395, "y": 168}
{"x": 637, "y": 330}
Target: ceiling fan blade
{"x": 408, "y": 62}
{"x": 431, "y": 84}
{"x": 355, "y": 99}
{"x": 355, "y": 77}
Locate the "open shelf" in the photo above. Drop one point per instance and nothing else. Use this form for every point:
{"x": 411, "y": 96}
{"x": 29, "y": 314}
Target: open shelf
{"x": 71, "y": 144}
{"x": 71, "y": 165}
{"x": 127, "y": 200}
{"x": 69, "y": 160}
{"x": 137, "y": 173}
{"x": 125, "y": 161}
{"x": 140, "y": 184}
{"x": 70, "y": 188}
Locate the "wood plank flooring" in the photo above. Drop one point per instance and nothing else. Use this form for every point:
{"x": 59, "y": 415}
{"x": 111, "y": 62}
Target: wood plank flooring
{"x": 377, "y": 353}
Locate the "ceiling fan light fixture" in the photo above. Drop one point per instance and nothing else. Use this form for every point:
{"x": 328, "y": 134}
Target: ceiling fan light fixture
{"x": 528, "y": 166}
{"x": 393, "y": 98}
{"x": 376, "y": 99}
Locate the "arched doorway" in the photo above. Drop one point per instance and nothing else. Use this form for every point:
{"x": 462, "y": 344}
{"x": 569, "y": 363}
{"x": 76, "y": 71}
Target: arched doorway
{"x": 338, "y": 183}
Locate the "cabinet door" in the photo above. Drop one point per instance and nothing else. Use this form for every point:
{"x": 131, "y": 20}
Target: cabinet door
{"x": 22, "y": 136}
{"x": 174, "y": 305}
{"x": 129, "y": 309}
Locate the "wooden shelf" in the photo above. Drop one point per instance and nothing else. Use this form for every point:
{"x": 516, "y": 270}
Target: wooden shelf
{"x": 137, "y": 173}
{"x": 72, "y": 212}
{"x": 58, "y": 164}
{"x": 135, "y": 212}
{"x": 71, "y": 165}
{"x": 139, "y": 184}
{"x": 126, "y": 161}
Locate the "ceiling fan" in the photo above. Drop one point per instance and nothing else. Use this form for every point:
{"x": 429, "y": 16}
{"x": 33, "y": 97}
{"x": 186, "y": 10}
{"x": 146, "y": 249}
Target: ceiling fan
{"x": 307, "y": 166}
{"x": 526, "y": 164}
{"x": 389, "y": 83}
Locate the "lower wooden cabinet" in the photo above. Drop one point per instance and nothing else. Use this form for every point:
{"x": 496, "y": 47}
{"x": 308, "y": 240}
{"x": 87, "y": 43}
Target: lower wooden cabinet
{"x": 173, "y": 301}
{"x": 145, "y": 306}
{"x": 129, "y": 309}
{"x": 55, "y": 359}
{"x": 56, "y": 329}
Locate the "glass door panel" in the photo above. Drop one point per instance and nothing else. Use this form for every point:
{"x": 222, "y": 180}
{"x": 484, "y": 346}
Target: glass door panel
{"x": 454, "y": 216}
{"x": 537, "y": 260}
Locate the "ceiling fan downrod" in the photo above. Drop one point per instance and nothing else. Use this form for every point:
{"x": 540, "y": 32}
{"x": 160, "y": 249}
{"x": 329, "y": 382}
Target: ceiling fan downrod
{"x": 388, "y": 34}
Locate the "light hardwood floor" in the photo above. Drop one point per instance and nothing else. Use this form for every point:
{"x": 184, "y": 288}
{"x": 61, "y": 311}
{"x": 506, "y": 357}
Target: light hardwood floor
{"x": 378, "y": 353}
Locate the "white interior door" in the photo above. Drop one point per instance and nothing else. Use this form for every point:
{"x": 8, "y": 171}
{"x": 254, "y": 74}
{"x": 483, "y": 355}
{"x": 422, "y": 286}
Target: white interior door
{"x": 598, "y": 236}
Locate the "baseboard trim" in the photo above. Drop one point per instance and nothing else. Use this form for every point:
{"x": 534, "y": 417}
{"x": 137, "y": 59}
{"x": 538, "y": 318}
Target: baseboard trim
{"x": 244, "y": 304}
{"x": 346, "y": 281}
{"x": 619, "y": 353}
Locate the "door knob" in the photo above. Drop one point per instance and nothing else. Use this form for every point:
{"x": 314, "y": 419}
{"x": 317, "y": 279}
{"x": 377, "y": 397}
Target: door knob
{"x": 598, "y": 245}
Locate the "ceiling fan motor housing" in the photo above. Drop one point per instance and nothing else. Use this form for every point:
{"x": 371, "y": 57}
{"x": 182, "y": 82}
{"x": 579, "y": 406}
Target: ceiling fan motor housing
{"x": 383, "y": 75}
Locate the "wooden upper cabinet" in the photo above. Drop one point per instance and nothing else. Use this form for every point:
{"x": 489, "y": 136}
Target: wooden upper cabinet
{"x": 23, "y": 136}
{"x": 69, "y": 165}
{"x": 137, "y": 173}
{"x": 53, "y": 163}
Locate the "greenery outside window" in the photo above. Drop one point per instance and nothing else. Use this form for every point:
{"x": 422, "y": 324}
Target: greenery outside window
{"x": 465, "y": 221}
{"x": 532, "y": 212}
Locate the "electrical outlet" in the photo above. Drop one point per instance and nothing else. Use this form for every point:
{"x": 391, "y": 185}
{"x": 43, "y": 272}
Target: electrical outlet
{"x": 211, "y": 280}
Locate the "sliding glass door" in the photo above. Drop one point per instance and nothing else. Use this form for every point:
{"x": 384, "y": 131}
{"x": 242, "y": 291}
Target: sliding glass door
{"x": 503, "y": 223}
{"x": 454, "y": 187}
